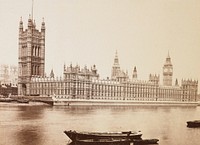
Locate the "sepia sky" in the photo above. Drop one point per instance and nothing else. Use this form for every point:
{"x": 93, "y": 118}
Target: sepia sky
{"x": 88, "y": 32}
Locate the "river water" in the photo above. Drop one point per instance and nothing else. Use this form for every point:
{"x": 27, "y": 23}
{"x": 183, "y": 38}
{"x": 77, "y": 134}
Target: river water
{"x": 44, "y": 125}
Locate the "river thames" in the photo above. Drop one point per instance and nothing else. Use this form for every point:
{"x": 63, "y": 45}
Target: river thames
{"x": 44, "y": 125}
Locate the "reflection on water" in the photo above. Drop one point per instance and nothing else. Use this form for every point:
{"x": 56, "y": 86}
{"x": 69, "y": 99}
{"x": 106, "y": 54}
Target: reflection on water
{"x": 29, "y": 132}
{"x": 30, "y": 129}
{"x": 39, "y": 125}
{"x": 30, "y": 112}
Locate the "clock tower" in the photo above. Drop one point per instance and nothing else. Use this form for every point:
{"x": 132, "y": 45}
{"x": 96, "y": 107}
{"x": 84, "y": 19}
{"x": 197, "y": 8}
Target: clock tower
{"x": 167, "y": 72}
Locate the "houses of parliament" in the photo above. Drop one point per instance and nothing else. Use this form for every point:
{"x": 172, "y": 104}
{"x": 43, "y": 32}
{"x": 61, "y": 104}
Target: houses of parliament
{"x": 85, "y": 83}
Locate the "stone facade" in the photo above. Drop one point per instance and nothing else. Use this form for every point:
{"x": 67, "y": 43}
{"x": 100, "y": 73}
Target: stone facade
{"x": 79, "y": 83}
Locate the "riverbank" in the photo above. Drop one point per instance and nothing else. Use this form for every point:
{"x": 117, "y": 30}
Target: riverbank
{"x": 98, "y": 102}
{"x": 46, "y": 100}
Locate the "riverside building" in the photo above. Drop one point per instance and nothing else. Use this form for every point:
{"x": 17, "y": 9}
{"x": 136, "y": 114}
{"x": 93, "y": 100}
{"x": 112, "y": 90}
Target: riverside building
{"x": 85, "y": 84}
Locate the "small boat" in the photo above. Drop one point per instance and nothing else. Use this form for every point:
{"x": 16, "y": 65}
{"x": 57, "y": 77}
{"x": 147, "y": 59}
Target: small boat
{"x": 192, "y": 124}
{"x": 6, "y": 100}
{"x": 145, "y": 141}
{"x": 22, "y": 100}
{"x": 104, "y": 141}
{"x": 74, "y": 135}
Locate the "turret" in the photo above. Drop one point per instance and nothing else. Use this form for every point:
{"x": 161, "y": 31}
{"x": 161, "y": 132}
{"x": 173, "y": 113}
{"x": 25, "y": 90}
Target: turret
{"x": 43, "y": 26}
{"x": 52, "y": 74}
{"x": 94, "y": 70}
{"x": 134, "y": 73}
{"x": 154, "y": 78}
{"x": 30, "y": 22}
{"x": 21, "y": 25}
{"x": 176, "y": 82}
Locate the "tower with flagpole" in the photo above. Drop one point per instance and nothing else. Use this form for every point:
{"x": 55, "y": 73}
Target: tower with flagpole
{"x": 31, "y": 60}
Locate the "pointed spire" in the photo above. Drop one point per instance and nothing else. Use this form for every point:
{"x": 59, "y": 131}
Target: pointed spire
{"x": 21, "y": 23}
{"x": 34, "y": 24}
{"x": 134, "y": 73}
{"x": 176, "y": 83}
{"x": 43, "y": 24}
{"x": 64, "y": 67}
{"x": 135, "y": 70}
{"x": 30, "y": 22}
{"x": 168, "y": 60}
{"x": 52, "y": 74}
{"x": 116, "y": 60}
{"x": 168, "y": 55}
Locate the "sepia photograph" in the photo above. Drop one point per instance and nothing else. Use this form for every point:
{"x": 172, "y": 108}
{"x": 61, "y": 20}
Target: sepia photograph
{"x": 99, "y": 72}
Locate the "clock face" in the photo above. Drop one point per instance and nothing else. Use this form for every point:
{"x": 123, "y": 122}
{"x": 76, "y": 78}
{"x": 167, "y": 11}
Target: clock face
{"x": 165, "y": 70}
{"x": 170, "y": 69}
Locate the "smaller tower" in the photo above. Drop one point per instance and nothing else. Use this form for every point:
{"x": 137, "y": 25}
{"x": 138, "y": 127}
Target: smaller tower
{"x": 134, "y": 77}
{"x": 176, "y": 82}
{"x": 64, "y": 67}
{"x": 154, "y": 78}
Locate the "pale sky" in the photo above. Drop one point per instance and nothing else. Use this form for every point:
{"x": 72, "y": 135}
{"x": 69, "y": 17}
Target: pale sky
{"x": 88, "y": 32}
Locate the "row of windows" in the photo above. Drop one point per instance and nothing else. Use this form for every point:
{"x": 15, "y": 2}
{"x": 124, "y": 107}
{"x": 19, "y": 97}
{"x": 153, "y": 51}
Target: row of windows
{"x": 118, "y": 91}
{"x": 36, "y": 51}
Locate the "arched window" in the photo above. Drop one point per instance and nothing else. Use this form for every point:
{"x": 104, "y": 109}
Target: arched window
{"x": 38, "y": 70}
{"x": 38, "y": 51}
{"x": 35, "y": 70}
{"x": 32, "y": 51}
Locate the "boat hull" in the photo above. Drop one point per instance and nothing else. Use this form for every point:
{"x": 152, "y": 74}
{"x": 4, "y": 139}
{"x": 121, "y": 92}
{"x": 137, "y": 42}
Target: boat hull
{"x": 193, "y": 124}
{"x": 75, "y": 136}
{"x": 145, "y": 141}
{"x": 103, "y": 142}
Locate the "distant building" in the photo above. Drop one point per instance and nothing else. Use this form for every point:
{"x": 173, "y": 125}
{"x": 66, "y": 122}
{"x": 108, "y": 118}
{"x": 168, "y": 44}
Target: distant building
{"x": 8, "y": 80}
{"x": 84, "y": 83}
{"x": 8, "y": 74}
{"x": 8, "y": 89}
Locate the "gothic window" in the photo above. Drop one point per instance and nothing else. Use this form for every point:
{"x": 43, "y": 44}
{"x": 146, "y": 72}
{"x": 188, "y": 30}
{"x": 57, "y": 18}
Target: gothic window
{"x": 38, "y": 51}
{"x": 35, "y": 51}
{"x": 32, "y": 72}
{"x": 35, "y": 70}
{"x": 38, "y": 70}
{"x": 32, "y": 51}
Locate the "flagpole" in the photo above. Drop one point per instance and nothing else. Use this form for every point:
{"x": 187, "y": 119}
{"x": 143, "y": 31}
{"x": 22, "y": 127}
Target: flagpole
{"x": 32, "y": 10}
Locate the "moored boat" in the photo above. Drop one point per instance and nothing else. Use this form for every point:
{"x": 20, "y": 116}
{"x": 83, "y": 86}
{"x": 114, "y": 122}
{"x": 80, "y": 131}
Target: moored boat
{"x": 145, "y": 141}
{"x": 22, "y": 100}
{"x": 74, "y": 135}
{"x": 104, "y": 141}
{"x": 192, "y": 124}
{"x": 6, "y": 100}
